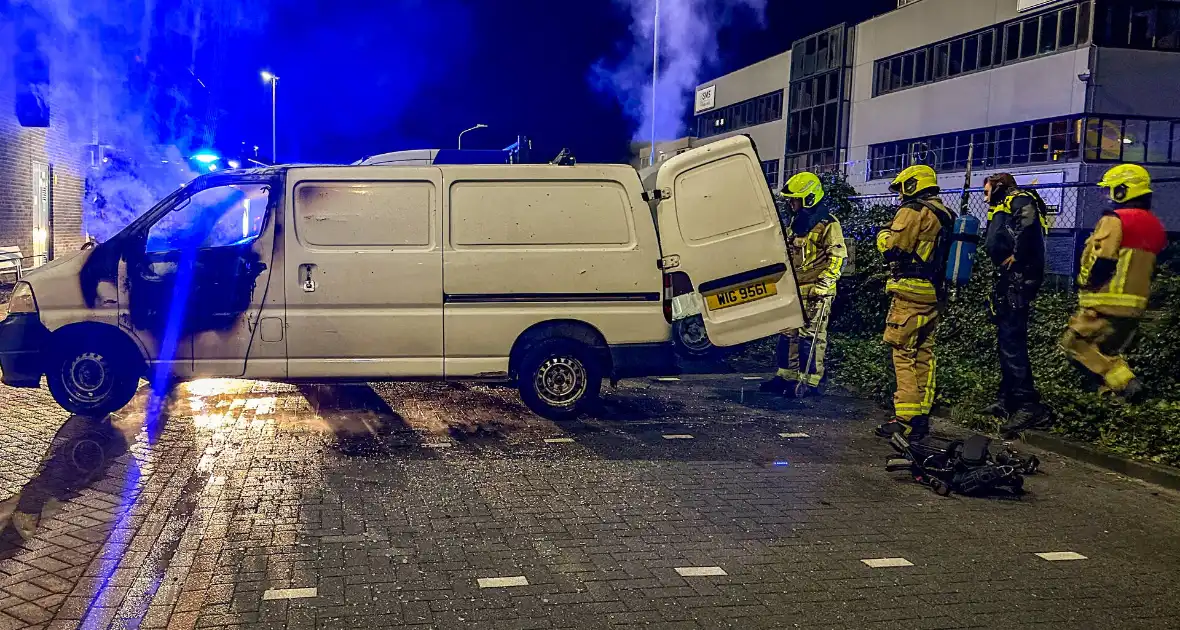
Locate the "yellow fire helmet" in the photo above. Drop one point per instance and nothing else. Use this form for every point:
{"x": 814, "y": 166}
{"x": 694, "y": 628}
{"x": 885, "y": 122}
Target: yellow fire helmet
{"x": 1126, "y": 182}
{"x": 805, "y": 186}
{"x": 914, "y": 180}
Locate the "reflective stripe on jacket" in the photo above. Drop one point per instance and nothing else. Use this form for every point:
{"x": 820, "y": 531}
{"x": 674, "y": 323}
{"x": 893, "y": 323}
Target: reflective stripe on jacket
{"x": 818, "y": 257}
{"x": 1130, "y": 238}
{"x": 910, "y": 246}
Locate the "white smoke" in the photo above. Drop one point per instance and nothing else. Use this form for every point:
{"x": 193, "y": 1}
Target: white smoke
{"x": 688, "y": 46}
{"x": 113, "y": 82}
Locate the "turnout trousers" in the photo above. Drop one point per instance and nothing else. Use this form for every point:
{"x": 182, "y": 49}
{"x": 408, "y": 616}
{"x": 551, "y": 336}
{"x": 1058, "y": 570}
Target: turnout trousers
{"x": 910, "y": 329}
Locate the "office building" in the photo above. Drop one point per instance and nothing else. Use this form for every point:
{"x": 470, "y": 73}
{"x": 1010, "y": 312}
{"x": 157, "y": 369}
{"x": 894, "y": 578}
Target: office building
{"x": 749, "y": 101}
{"x": 1053, "y": 91}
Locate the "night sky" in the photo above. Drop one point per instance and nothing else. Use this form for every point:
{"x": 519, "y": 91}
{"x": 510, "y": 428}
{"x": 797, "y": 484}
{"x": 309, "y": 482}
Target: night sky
{"x": 360, "y": 77}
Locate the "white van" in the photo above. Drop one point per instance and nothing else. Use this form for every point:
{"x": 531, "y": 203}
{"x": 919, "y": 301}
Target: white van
{"x": 554, "y": 277}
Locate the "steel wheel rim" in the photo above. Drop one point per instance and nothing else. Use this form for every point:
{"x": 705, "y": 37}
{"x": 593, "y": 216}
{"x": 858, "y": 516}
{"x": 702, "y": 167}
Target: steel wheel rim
{"x": 87, "y": 377}
{"x": 693, "y": 335}
{"x": 560, "y": 381}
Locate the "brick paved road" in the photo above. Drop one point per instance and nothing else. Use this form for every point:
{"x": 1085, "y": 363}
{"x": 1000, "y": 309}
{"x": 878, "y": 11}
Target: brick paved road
{"x": 264, "y": 506}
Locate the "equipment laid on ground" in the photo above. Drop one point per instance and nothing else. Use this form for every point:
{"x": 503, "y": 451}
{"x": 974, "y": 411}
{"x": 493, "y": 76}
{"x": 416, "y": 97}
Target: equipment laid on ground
{"x": 966, "y": 467}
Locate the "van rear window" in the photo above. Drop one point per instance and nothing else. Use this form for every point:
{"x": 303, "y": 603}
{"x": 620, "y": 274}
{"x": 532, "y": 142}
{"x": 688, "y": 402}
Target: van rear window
{"x": 540, "y": 213}
{"x": 364, "y": 214}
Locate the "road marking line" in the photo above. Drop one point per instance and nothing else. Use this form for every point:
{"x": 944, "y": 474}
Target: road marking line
{"x": 503, "y": 582}
{"x": 751, "y": 378}
{"x": 793, "y": 435}
{"x": 667, "y": 379}
{"x": 559, "y": 440}
{"x": 678, "y": 436}
{"x": 700, "y": 571}
{"x": 887, "y": 563}
{"x": 437, "y": 444}
{"x": 289, "y": 593}
{"x": 1057, "y": 556}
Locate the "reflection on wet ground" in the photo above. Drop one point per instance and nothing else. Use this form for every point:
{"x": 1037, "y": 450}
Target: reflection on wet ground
{"x": 382, "y": 504}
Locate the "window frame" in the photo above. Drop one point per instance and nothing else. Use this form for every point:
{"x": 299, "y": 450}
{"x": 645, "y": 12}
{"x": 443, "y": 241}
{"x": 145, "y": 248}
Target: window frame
{"x": 1009, "y": 44}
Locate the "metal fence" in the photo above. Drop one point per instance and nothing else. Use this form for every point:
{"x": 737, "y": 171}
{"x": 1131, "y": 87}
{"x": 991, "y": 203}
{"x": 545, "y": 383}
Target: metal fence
{"x": 1074, "y": 208}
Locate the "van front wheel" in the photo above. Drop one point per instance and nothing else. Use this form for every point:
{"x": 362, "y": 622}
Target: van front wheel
{"x": 560, "y": 379}
{"x": 91, "y": 379}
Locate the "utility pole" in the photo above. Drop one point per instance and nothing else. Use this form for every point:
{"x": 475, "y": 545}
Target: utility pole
{"x": 274, "y": 114}
{"x": 655, "y": 78}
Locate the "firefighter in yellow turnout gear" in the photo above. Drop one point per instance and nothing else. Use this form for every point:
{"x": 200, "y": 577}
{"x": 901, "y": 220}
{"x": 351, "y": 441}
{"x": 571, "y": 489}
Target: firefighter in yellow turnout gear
{"x": 816, "y": 245}
{"x": 1114, "y": 282}
{"x": 915, "y": 246}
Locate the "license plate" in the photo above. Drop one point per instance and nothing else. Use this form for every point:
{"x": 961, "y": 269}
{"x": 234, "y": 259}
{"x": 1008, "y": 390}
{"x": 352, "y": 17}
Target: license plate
{"x": 741, "y": 295}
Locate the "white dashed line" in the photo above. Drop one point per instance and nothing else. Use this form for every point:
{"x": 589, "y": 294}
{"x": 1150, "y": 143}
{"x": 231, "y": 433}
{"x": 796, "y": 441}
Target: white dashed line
{"x": 437, "y": 444}
{"x": 667, "y": 379}
{"x": 678, "y": 436}
{"x": 700, "y": 571}
{"x": 887, "y": 563}
{"x": 1057, "y": 556}
{"x": 559, "y": 440}
{"x": 503, "y": 582}
{"x": 751, "y": 378}
{"x": 793, "y": 435}
{"x": 289, "y": 593}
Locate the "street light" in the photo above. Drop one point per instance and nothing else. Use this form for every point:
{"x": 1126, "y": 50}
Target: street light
{"x": 479, "y": 126}
{"x": 273, "y": 79}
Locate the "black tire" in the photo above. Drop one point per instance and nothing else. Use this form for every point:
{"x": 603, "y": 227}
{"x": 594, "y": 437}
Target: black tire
{"x": 560, "y": 379}
{"x": 92, "y": 377}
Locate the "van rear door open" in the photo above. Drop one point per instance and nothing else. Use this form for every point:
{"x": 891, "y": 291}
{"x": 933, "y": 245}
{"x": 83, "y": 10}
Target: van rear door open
{"x": 718, "y": 224}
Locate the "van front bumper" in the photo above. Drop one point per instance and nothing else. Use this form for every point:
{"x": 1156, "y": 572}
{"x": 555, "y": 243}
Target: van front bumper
{"x": 23, "y": 340}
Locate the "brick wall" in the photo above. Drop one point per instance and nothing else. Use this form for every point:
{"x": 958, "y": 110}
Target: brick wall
{"x": 19, "y": 148}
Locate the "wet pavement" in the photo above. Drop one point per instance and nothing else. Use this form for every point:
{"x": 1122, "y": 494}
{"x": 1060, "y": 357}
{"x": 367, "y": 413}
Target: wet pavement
{"x": 693, "y": 503}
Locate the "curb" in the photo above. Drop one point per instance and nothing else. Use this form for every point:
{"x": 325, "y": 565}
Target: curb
{"x": 1158, "y": 474}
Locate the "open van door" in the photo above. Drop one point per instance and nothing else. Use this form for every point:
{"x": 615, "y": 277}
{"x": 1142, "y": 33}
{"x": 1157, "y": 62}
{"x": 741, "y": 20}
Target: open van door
{"x": 718, "y": 224}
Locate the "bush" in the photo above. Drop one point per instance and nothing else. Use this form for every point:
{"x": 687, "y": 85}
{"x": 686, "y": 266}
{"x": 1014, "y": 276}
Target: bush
{"x": 968, "y": 367}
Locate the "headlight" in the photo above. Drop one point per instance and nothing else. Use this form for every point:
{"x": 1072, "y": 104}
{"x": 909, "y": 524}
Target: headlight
{"x": 22, "y": 300}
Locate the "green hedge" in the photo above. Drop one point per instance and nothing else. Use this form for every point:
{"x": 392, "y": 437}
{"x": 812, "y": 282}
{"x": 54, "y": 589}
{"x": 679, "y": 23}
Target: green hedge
{"x": 968, "y": 367}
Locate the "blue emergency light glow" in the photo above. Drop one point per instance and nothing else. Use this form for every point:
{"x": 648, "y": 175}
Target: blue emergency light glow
{"x": 206, "y": 157}
{"x": 782, "y": 463}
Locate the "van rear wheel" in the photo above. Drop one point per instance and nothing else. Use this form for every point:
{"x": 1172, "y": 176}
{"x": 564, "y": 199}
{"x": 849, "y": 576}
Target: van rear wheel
{"x": 560, "y": 379}
{"x": 91, "y": 378}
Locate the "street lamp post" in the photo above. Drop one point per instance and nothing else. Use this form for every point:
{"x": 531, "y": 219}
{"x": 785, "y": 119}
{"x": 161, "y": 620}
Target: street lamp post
{"x": 479, "y": 126}
{"x": 274, "y": 118}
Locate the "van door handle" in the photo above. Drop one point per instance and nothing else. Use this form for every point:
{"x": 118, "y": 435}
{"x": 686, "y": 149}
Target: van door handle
{"x": 305, "y": 277}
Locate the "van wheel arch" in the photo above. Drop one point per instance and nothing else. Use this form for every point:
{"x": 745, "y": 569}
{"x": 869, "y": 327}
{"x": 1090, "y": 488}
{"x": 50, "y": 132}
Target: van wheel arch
{"x": 574, "y": 330}
{"x": 128, "y": 349}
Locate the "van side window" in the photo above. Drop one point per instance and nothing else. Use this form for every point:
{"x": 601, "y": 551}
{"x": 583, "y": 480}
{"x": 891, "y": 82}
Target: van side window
{"x": 364, "y": 214}
{"x": 224, "y": 216}
{"x": 540, "y": 213}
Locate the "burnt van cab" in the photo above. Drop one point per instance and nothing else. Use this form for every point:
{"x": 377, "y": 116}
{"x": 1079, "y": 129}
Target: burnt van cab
{"x": 551, "y": 277}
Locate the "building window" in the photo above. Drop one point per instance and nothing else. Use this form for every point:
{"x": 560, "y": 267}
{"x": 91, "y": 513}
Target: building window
{"x": 770, "y": 169}
{"x": 754, "y": 111}
{"x": 1140, "y": 24}
{"x": 1057, "y": 140}
{"x": 814, "y": 121}
{"x": 818, "y": 53}
{"x": 1095, "y": 139}
{"x": 1061, "y": 28}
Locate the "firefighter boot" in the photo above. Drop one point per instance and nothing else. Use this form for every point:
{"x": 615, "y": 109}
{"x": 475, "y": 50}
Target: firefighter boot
{"x": 996, "y": 410}
{"x": 1028, "y": 416}
{"x": 778, "y": 385}
{"x": 915, "y": 429}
